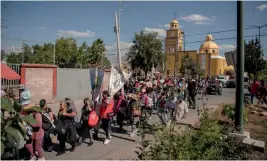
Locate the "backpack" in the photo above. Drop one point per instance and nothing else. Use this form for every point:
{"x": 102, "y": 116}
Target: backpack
{"x": 92, "y": 119}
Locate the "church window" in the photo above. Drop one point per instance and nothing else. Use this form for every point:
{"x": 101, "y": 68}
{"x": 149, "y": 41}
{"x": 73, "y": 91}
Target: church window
{"x": 206, "y": 51}
{"x": 175, "y": 25}
{"x": 173, "y": 49}
{"x": 170, "y": 50}
{"x": 172, "y": 25}
{"x": 213, "y": 51}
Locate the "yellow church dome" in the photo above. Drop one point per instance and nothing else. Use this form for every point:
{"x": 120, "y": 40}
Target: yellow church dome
{"x": 174, "y": 21}
{"x": 209, "y": 44}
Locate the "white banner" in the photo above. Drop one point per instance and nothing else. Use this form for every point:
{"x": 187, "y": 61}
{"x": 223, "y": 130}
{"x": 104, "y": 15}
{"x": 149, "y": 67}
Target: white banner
{"x": 118, "y": 78}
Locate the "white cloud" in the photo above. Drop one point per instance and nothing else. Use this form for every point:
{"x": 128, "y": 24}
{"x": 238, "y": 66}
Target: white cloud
{"x": 161, "y": 32}
{"x": 112, "y": 50}
{"x": 72, "y": 33}
{"x": 198, "y": 19}
{"x": 167, "y": 25}
{"x": 227, "y": 47}
{"x": 43, "y": 28}
{"x": 262, "y": 7}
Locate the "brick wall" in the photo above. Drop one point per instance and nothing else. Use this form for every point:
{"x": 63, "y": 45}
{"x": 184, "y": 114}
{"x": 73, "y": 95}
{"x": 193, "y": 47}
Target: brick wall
{"x": 40, "y": 80}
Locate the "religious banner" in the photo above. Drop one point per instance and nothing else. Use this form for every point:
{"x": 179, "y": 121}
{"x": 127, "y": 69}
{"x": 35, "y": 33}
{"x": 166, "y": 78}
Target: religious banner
{"x": 96, "y": 78}
{"x": 118, "y": 78}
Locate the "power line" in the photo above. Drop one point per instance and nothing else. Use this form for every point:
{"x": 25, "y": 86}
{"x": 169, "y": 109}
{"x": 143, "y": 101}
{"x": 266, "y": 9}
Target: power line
{"x": 223, "y": 31}
{"x": 22, "y": 40}
{"x": 229, "y": 38}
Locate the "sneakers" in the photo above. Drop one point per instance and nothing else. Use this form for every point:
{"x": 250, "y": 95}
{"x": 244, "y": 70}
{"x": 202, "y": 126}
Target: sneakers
{"x": 33, "y": 158}
{"x": 42, "y": 159}
{"x": 106, "y": 141}
{"x": 133, "y": 133}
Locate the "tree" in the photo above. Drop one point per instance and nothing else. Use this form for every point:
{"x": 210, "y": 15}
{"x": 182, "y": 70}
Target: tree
{"x": 145, "y": 52}
{"x": 229, "y": 71}
{"x": 97, "y": 50}
{"x": 263, "y": 73}
{"x": 190, "y": 67}
{"x": 3, "y": 54}
{"x": 254, "y": 61}
{"x": 68, "y": 54}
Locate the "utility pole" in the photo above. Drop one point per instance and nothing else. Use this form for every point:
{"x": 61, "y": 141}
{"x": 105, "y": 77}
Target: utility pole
{"x": 22, "y": 49}
{"x": 259, "y": 27}
{"x": 118, "y": 44}
{"x": 119, "y": 25}
{"x": 54, "y": 53}
{"x": 239, "y": 103}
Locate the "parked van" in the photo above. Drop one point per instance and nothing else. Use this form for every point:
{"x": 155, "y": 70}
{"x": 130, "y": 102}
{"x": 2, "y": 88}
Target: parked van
{"x": 231, "y": 83}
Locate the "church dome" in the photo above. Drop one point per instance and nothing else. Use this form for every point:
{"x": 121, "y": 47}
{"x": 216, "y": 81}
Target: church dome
{"x": 174, "y": 21}
{"x": 209, "y": 44}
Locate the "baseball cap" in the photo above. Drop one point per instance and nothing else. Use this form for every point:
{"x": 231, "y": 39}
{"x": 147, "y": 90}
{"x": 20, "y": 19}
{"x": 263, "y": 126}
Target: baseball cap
{"x": 42, "y": 102}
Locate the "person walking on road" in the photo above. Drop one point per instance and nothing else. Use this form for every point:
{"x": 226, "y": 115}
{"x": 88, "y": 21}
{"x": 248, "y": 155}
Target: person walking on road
{"x": 181, "y": 110}
{"x": 254, "y": 89}
{"x": 48, "y": 125}
{"x": 106, "y": 113}
{"x": 86, "y": 131}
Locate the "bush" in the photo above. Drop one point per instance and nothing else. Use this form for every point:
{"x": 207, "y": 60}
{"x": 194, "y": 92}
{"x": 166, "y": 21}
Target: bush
{"x": 13, "y": 128}
{"x": 229, "y": 112}
{"x": 208, "y": 143}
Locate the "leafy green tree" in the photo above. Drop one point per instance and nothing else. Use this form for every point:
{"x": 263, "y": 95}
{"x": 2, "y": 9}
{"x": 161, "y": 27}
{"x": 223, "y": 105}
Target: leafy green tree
{"x": 263, "y": 73}
{"x": 147, "y": 50}
{"x": 68, "y": 54}
{"x": 229, "y": 72}
{"x": 14, "y": 58}
{"x": 3, "y": 54}
{"x": 190, "y": 67}
{"x": 254, "y": 62}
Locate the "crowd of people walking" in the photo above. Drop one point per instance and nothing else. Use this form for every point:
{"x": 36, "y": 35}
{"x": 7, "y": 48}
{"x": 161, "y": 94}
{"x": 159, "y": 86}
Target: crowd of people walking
{"x": 139, "y": 98}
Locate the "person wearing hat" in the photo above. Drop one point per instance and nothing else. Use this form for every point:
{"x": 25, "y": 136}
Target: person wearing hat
{"x": 25, "y": 95}
{"x": 3, "y": 93}
{"x": 48, "y": 119}
{"x": 133, "y": 113}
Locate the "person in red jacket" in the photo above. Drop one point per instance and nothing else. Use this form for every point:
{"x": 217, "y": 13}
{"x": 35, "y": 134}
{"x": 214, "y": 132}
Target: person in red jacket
{"x": 254, "y": 90}
{"x": 106, "y": 113}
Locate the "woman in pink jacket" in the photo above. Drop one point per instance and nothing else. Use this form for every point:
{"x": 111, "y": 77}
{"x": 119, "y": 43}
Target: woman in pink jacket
{"x": 35, "y": 143}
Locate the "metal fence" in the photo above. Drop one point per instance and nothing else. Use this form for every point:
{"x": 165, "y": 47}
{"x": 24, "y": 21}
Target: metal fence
{"x": 11, "y": 84}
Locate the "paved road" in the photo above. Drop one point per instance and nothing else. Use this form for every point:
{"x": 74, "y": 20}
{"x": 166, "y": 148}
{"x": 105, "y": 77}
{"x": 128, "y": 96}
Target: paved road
{"x": 122, "y": 146}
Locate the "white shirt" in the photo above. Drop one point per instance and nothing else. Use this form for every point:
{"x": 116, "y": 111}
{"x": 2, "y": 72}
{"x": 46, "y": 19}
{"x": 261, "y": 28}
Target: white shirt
{"x": 180, "y": 110}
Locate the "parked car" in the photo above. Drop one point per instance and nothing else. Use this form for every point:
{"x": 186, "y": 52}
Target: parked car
{"x": 230, "y": 83}
{"x": 214, "y": 88}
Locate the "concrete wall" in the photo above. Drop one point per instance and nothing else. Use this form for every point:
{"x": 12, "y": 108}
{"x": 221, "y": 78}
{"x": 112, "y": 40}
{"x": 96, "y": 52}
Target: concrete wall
{"x": 73, "y": 83}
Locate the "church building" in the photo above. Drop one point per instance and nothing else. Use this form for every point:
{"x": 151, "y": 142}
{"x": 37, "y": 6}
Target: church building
{"x": 207, "y": 57}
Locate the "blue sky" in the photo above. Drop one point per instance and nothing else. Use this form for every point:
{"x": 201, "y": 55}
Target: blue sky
{"x": 87, "y": 21}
